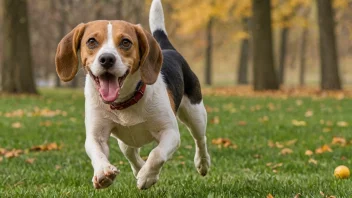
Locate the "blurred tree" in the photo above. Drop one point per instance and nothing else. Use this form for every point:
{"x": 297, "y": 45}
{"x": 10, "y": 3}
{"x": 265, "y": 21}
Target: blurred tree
{"x": 242, "y": 74}
{"x": 263, "y": 64}
{"x": 209, "y": 52}
{"x": 330, "y": 79}
{"x": 16, "y": 71}
{"x": 303, "y": 49}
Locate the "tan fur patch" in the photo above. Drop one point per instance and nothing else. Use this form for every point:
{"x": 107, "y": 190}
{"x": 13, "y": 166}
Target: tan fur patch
{"x": 172, "y": 101}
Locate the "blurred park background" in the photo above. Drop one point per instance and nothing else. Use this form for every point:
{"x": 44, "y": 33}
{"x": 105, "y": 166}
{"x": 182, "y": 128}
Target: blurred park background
{"x": 283, "y": 143}
{"x": 232, "y": 42}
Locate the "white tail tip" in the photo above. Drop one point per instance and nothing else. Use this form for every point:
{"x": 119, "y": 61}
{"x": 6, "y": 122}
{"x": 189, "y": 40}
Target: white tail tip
{"x": 156, "y": 17}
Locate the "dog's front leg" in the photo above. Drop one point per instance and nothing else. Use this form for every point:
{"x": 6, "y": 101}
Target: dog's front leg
{"x": 97, "y": 148}
{"x": 169, "y": 140}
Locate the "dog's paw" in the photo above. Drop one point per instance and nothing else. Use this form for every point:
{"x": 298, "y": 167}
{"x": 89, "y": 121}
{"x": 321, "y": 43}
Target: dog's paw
{"x": 202, "y": 163}
{"x": 146, "y": 178}
{"x": 104, "y": 176}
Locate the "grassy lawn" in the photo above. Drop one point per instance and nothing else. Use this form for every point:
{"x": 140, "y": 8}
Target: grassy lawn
{"x": 262, "y": 129}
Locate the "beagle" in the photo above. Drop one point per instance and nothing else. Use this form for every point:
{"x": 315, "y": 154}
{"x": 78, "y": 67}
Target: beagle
{"x": 137, "y": 85}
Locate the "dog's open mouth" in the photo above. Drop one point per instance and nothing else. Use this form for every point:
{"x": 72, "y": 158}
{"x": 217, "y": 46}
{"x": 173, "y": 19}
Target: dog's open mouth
{"x": 108, "y": 86}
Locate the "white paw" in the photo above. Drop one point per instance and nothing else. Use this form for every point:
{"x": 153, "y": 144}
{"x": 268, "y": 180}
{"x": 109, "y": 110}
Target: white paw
{"x": 146, "y": 178}
{"x": 202, "y": 163}
{"x": 104, "y": 176}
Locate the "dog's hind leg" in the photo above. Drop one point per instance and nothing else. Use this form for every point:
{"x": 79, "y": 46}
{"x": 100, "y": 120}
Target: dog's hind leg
{"x": 132, "y": 155}
{"x": 194, "y": 116}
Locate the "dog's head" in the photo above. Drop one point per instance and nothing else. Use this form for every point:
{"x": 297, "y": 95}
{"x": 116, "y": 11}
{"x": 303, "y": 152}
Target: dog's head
{"x": 110, "y": 52}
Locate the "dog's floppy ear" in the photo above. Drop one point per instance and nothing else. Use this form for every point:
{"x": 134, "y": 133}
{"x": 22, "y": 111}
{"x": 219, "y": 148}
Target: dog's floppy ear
{"x": 66, "y": 58}
{"x": 150, "y": 56}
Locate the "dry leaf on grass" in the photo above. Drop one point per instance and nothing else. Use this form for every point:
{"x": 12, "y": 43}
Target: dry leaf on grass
{"x": 298, "y": 195}
{"x": 264, "y": 119}
{"x": 16, "y": 125}
{"x": 13, "y": 153}
{"x": 312, "y": 161}
{"x": 342, "y": 124}
{"x": 46, "y": 147}
{"x": 309, "y": 152}
{"x": 269, "y": 196}
{"x": 299, "y": 123}
{"x": 286, "y": 151}
{"x": 309, "y": 113}
{"x": 215, "y": 120}
{"x": 339, "y": 141}
{"x": 30, "y": 160}
{"x": 325, "y": 148}
{"x": 224, "y": 142}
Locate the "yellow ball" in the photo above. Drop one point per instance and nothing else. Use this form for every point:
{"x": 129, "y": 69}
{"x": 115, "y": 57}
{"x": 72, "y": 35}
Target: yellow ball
{"x": 342, "y": 172}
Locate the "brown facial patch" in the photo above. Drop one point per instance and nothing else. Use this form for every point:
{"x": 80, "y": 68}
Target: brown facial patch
{"x": 96, "y": 30}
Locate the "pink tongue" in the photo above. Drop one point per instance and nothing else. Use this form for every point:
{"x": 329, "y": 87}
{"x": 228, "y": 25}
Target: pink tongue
{"x": 109, "y": 89}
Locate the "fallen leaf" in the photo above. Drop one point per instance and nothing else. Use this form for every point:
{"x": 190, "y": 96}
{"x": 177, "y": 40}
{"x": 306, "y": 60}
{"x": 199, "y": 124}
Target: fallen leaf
{"x": 312, "y": 161}
{"x": 299, "y": 123}
{"x": 269, "y": 196}
{"x": 57, "y": 167}
{"x": 215, "y": 120}
{"x": 2, "y": 151}
{"x": 271, "y": 144}
{"x": 323, "y": 149}
{"x": 342, "y": 124}
{"x": 30, "y": 160}
{"x": 223, "y": 142}
{"x": 286, "y": 151}
{"x": 16, "y": 125}
{"x": 339, "y": 140}
{"x": 269, "y": 164}
{"x": 279, "y": 145}
{"x": 291, "y": 142}
{"x": 13, "y": 153}
{"x": 308, "y": 152}
{"x": 264, "y": 119}
{"x": 298, "y": 195}
{"x": 46, "y": 147}
{"x": 308, "y": 113}
{"x": 277, "y": 165}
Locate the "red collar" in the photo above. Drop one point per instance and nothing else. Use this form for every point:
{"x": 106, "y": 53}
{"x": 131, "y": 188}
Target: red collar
{"x": 138, "y": 94}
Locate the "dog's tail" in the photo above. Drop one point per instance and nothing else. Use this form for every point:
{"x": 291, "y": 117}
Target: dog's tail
{"x": 157, "y": 25}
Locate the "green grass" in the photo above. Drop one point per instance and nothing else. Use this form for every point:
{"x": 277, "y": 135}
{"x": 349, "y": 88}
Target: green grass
{"x": 240, "y": 172}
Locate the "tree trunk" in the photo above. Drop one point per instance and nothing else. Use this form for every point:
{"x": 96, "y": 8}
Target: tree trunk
{"x": 283, "y": 53}
{"x": 242, "y": 74}
{"x": 330, "y": 79}
{"x": 303, "y": 57}
{"x": 17, "y": 74}
{"x": 209, "y": 52}
{"x": 263, "y": 62}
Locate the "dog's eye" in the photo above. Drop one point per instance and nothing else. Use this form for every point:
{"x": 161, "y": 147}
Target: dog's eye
{"x": 92, "y": 43}
{"x": 125, "y": 44}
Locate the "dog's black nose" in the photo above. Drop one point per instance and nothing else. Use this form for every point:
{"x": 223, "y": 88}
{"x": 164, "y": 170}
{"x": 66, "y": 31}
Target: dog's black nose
{"x": 107, "y": 60}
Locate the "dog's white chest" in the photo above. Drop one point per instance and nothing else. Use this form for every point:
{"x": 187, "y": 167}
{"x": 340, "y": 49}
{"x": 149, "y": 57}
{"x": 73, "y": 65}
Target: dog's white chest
{"x": 134, "y": 136}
